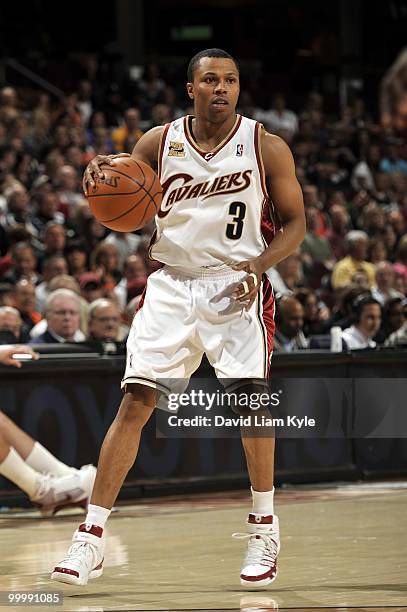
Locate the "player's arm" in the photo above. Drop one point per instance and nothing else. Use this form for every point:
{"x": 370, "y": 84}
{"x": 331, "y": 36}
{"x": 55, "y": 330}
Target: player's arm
{"x": 146, "y": 150}
{"x": 286, "y": 194}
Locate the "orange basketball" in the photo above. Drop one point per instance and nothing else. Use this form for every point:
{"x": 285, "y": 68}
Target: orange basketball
{"x": 128, "y": 197}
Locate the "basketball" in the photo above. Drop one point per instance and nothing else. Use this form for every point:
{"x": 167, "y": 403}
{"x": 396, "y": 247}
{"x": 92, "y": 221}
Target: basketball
{"x": 128, "y": 197}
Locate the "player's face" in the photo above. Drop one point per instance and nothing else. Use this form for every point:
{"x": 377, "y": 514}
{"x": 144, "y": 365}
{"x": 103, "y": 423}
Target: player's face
{"x": 215, "y": 89}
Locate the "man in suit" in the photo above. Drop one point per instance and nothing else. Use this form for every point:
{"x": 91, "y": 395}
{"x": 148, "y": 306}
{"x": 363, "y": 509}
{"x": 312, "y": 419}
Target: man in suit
{"x": 62, "y": 313}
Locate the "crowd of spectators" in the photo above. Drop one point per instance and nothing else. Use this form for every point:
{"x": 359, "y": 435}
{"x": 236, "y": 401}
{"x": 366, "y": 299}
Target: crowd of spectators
{"x": 64, "y": 277}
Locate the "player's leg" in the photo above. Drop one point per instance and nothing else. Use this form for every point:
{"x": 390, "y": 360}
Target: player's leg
{"x": 245, "y": 353}
{"x": 118, "y": 453}
{"x": 259, "y": 454}
{"x": 48, "y": 492}
{"x": 120, "y": 446}
{"x": 158, "y": 348}
{"x": 16, "y": 437}
{"x": 33, "y": 453}
{"x": 259, "y": 566}
{"x": 13, "y": 467}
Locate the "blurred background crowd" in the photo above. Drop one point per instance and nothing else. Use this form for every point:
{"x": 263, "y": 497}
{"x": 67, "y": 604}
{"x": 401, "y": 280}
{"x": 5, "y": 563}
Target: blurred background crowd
{"x": 64, "y": 277}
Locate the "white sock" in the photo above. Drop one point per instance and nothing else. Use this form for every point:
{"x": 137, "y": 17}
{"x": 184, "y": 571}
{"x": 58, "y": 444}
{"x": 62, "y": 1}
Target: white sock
{"x": 97, "y": 515}
{"x": 41, "y": 460}
{"x": 263, "y": 502}
{"x": 15, "y": 469}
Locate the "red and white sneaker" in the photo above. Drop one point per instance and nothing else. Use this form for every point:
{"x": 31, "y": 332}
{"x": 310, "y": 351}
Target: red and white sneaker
{"x": 57, "y": 492}
{"x": 259, "y": 566}
{"x": 85, "y": 557}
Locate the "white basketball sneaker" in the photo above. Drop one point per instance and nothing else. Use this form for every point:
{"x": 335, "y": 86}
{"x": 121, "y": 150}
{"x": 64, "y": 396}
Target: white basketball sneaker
{"x": 57, "y": 492}
{"x": 85, "y": 557}
{"x": 259, "y": 566}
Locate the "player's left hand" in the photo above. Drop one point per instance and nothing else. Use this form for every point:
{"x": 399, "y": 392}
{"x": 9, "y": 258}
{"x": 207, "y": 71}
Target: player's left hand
{"x": 247, "y": 289}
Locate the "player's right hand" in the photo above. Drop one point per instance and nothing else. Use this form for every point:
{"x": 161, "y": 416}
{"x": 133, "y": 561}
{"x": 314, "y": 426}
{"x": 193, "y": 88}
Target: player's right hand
{"x": 94, "y": 171}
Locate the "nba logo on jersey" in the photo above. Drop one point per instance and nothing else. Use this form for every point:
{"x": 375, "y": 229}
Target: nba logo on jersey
{"x": 239, "y": 150}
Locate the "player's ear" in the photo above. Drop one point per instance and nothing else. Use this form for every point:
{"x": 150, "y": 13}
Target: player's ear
{"x": 190, "y": 90}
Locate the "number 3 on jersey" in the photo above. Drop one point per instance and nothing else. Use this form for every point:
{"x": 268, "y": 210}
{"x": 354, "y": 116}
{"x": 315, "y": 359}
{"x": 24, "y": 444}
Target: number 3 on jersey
{"x": 235, "y": 228}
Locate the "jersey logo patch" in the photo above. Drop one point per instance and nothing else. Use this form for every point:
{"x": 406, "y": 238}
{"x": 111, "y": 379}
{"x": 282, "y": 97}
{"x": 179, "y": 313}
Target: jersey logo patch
{"x": 176, "y": 149}
{"x": 239, "y": 150}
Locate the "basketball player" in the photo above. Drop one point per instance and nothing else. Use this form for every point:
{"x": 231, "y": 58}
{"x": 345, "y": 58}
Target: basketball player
{"x": 225, "y": 180}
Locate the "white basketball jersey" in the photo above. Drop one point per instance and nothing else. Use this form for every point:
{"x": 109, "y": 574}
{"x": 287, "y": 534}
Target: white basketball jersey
{"x": 215, "y": 208}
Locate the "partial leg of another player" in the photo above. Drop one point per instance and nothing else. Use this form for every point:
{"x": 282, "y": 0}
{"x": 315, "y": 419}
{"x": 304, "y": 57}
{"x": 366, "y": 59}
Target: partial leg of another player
{"x": 119, "y": 450}
{"x": 259, "y": 566}
{"x": 49, "y": 483}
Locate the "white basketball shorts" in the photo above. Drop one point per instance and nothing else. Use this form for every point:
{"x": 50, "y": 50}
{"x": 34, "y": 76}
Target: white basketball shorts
{"x": 183, "y": 315}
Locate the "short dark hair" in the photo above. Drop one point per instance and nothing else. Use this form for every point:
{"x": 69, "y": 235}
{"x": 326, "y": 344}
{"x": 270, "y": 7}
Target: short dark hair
{"x": 48, "y": 261}
{"x": 75, "y": 245}
{"x": 390, "y": 304}
{"x": 207, "y": 53}
{"x": 361, "y": 302}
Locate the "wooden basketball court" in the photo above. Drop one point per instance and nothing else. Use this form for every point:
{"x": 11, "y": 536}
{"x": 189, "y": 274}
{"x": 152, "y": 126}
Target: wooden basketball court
{"x": 343, "y": 548}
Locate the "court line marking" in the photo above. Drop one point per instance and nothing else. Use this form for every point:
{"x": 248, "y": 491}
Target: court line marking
{"x": 234, "y": 609}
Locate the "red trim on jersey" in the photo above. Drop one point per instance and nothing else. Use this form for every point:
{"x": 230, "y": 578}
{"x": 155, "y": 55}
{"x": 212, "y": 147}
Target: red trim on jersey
{"x": 161, "y": 148}
{"x": 268, "y": 319}
{"x": 208, "y": 155}
{"x": 268, "y": 223}
{"x": 268, "y": 227}
{"x": 141, "y": 302}
{"x": 259, "y": 158}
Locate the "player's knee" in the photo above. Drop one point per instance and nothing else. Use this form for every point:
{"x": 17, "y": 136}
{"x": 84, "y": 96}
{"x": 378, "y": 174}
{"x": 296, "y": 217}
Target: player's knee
{"x": 137, "y": 405}
{"x": 245, "y": 399}
{"x": 134, "y": 413}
